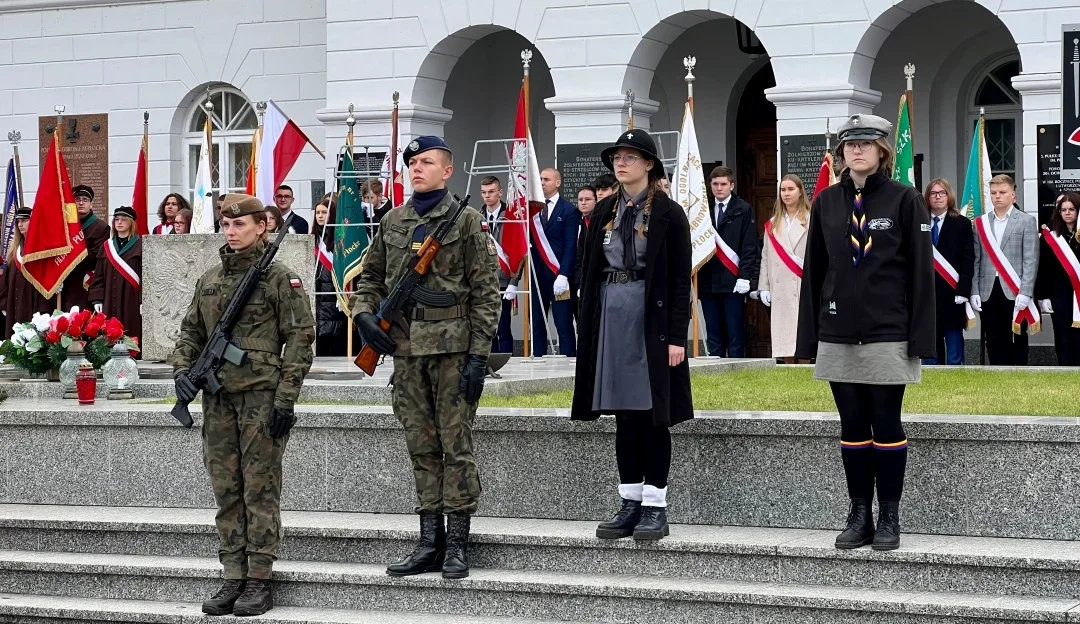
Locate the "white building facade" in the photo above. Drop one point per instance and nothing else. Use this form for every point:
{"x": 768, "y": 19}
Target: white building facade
{"x": 766, "y": 69}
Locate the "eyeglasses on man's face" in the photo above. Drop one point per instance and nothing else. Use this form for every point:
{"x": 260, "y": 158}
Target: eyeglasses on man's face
{"x": 280, "y": 196}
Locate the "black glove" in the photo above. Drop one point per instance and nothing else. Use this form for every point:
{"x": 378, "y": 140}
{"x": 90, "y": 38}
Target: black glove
{"x": 185, "y": 389}
{"x": 281, "y": 421}
{"x": 368, "y": 324}
{"x": 471, "y": 385}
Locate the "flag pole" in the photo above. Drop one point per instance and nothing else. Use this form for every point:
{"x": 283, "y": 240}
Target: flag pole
{"x": 909, "y": 74}
{"x": 630, "y": 109}
{"x": 146, "y": 153}
{"x": 209, "y": 129}
{"x": 393, "y": 149}
{"x": 350, "y": 121}
{"x": 59, "y": 138}
{"x": 526, "y": 58}
{"x": 15, "y": 138}
{"x": 689, "y": 63}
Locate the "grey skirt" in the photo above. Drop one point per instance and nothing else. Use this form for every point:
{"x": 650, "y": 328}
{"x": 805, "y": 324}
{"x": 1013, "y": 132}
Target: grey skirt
{"x": 622, "y": 369}
{"x": 872, "y": 363}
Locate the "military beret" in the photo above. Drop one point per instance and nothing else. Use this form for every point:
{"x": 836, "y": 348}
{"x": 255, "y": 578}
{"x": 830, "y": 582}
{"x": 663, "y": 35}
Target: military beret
{"x": 237, "y": 205}
{"x": 22, "y": 212}
{"x": 125, "y": 211}
{"x": 864, "y": 128}
{"x": 84, "y": 191}
{"x": 419, "y": 145}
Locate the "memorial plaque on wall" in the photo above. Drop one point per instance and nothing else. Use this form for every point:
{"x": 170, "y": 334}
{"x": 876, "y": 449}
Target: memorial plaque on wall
{"x": 580, "y": 165}
{"x": 1048, "y": 144}
{"x": 1069, "y": 149}
{"x": 801, "y": 154}
{"x": 85, "y": 146}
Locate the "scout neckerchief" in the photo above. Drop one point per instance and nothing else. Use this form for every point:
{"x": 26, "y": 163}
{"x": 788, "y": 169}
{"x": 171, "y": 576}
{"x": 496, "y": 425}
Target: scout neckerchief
{"x": 114, "y": 252}
{"x": 1070, "y": 263}
{"x": 791, "y": 261}
{"x": 1009, "y": 277}
{"x": 861, "y": 240}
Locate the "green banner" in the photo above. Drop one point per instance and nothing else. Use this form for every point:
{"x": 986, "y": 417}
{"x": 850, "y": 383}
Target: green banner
{"x": 351, "y": 236}
{"x": 904, "y": 169}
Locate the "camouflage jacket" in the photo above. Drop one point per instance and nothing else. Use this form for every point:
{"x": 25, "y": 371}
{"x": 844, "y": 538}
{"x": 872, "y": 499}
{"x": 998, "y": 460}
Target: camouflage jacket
{"x": 275, "y": 328}
{"x": 466, "y": 266}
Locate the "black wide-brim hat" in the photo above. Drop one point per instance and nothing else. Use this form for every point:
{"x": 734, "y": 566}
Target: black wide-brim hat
{"x": 640, "y": 141}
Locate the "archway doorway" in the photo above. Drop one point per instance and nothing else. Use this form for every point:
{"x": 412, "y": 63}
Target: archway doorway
{"x": 755, "y": 168}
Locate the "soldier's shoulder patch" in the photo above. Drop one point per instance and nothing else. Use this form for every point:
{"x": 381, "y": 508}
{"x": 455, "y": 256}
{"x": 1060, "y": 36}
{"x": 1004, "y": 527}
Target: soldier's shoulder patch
{"x": 484, "y": 226}
{"x": 295, "y": 282}
{"x": 491, "y": 247}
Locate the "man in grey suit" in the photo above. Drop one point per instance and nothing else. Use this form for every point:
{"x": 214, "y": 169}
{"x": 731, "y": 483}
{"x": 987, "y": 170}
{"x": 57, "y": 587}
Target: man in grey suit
{"x": 494, "y": 212}
{"x": 1017, "y": 235}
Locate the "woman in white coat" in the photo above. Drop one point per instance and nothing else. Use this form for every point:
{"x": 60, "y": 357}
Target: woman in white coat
{"x": 781, "y": 265}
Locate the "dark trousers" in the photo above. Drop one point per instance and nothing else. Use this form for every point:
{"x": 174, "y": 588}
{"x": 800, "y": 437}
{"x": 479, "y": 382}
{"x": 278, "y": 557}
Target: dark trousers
{"x": 725, "y": 326}
{"x": 503, "y": 342}
{"x": 1003, "y": 347}
{"x": 562, "y": 312}
{"x": 873, "y": 444}
{"x": 950, "y": 348}
{"x": 642, "y": 450}
{"x": 1066, "y": 337}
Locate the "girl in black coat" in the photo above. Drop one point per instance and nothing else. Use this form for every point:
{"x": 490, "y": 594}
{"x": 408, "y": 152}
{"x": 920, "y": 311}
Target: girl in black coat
{"x": 331, "y": 325}
{"x": 954, "y": 238}
{"x": 1053, "y": 286}
{"x": 635, "y": 309}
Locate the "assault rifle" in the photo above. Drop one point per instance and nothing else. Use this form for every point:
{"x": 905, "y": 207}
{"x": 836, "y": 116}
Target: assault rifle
{"x": 408, "y": 288}
{"x": 221, "y": 347}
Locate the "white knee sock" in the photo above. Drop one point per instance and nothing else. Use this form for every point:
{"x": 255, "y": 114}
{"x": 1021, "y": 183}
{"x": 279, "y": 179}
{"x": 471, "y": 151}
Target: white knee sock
{"x": 652, "y": 496}
{"x": 630, "y": 491}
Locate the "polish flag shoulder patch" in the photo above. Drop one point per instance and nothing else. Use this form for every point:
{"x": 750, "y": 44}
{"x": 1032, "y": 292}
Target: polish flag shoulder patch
{"x": 295, "y": 282}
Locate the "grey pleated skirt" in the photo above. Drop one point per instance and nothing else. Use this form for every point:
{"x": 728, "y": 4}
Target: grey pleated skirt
{"x": 622, "y": 369}
{"x": 872, "y": 363}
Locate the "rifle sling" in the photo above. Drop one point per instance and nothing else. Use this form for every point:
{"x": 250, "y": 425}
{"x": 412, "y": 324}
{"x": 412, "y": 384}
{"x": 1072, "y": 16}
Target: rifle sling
{"x": 258, "y": 344}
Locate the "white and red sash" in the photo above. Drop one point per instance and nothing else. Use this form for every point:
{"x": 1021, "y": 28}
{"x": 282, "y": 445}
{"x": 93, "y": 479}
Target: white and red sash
{"x": 1070, "y": 263}
{"x": 793, "y": 263}
{"x": 504, "y": 260}
{"x": 18, "y": 259}
{"x": 726, "y": 254}
{"x": 323, "y": 255}
{"x": 542, "y": 245}
{"x": 952, "y": 278}
{"x": 113, "y": 254}
{"x": 1008, "y": 275}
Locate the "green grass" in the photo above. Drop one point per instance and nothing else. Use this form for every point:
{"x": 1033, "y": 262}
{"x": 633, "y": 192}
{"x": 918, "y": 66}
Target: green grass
{"x": 943, "y": 391}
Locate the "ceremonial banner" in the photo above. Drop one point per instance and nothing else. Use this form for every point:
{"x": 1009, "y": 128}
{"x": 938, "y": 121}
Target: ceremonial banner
{"x": 202, "y": 209}
{"x": 525, "y": 197}
{"x": 826, "y": 175}
{"x": 11, "y": 203}
{"x": 975, "y": 198}
{"x": 690, "y": 192}
{"x": 140, "y": 196}
{"x": 350, "y": 242}
{"x": 54, "y": 243}
{"x": 904, "y": 170}
{"x": 279, "y": 147}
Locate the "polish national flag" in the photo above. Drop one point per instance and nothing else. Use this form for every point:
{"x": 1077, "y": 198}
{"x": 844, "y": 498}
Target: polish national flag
{"x": 279, "y": 147}
{"x": 524, "y": 197}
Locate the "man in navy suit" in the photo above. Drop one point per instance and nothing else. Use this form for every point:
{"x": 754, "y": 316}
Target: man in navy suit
{"x": 560, "y": 220}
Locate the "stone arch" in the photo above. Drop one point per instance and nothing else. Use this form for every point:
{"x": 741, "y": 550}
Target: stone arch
{"x": 429, "y": 87}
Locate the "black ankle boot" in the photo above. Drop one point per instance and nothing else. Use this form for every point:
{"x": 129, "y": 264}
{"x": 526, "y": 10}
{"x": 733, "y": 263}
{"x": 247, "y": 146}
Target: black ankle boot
{"x": 256, "y": 600}
{"x": 429, "y": 551}
{"x": 887, "y": 536}
{"x": 860, "y": 525}
{"x": 222, "y": 602}
{"x": 653, "y": 524}
{"x": 622, "y": 523}
{"x": 456, "y": 565}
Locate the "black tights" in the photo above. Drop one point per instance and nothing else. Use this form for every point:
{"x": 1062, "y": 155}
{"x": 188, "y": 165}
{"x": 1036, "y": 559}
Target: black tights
{"x": 642, "y": 451}
{"x": 872, "y": 440}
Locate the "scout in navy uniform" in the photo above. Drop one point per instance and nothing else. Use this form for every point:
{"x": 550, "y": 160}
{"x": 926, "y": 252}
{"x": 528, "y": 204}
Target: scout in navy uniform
{"x": 866, "y": 313}
{"x": 440, "y": 353}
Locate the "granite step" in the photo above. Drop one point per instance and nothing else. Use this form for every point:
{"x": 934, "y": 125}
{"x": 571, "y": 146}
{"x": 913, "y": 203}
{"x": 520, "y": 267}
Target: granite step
{"x": 799, "y": 556}
{"x": 30, "y": 608}
{"x": 517, "y": 593}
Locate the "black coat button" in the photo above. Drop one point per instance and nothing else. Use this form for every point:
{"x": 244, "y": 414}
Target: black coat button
{"x": 659, "y": 304}
{"x": 663, "y": 337}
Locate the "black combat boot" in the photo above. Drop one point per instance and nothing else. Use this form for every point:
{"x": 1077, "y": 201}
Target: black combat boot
{"x": 222, "y": 602}
{"x": 622, "y": 523}
{"x": 457, "y": 546}
{"x": 429, "y": 551}
{"x": 888, "y": 526}
{"x": 653, "y": 524}
{"x": 860, "y": 525}
{"x": 256, "y": 599}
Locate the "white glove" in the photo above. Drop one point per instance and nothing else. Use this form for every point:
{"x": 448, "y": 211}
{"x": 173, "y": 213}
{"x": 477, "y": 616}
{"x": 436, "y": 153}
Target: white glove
{"x": 511, "y": 292}
{"x": 766, "y": 297}
{"x": 97, "y": 307}
{"x": 958, "y": 300}
{"x": 976, "y": 303}
{"x": 742, "y": 286}
{"x": 755, "y": 294}
{"x": 1046, "y": 306}
{"x": 562, "y": 285}
{"x": 1022, "y": 301}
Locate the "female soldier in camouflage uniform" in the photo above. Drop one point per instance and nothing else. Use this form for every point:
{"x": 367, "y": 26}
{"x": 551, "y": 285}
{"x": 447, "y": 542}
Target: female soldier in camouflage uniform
{"x": 246, "y": 426}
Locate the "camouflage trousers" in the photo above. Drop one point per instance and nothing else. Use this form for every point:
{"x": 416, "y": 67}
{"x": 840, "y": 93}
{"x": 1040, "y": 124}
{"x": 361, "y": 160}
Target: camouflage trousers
{"x": 438, "y": 427}
{"x": 244, "y": 464}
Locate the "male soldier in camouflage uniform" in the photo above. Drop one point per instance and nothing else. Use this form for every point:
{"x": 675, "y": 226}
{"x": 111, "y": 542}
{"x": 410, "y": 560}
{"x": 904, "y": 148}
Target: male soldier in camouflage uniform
{"x": 246, "y": 426}
{"x": 440, "y": 354}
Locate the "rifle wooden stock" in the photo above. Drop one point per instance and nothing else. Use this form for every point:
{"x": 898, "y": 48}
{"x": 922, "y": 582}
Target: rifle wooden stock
{"x": 368, "y": 358}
